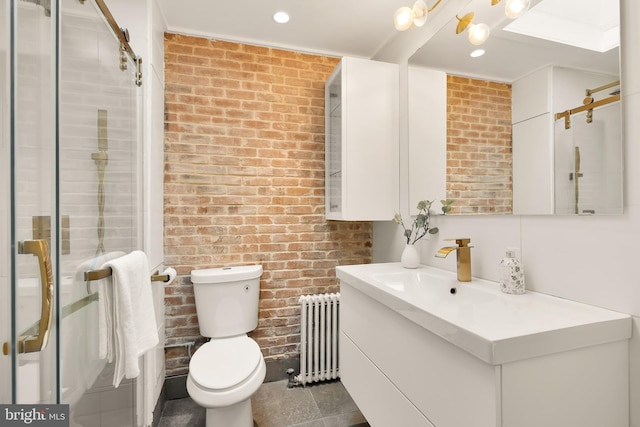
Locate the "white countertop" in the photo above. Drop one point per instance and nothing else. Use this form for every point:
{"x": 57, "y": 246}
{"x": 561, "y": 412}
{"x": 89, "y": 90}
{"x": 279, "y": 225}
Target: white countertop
{"x": 495, "y": 327}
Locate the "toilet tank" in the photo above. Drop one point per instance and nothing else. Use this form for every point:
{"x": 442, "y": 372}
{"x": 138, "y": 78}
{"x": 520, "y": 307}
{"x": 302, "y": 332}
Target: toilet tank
{"x": 227, "y": 299}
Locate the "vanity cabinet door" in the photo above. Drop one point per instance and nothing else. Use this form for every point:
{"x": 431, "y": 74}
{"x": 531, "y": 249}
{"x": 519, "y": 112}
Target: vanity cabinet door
{"x": 586, "y": 387}
{"x": 362, "y": 141}
{"x": 362, "y": 377}
{"x": 449, "y": 386}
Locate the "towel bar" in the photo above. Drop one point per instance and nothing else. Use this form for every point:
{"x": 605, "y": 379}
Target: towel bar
{"x": 106, "y": 272}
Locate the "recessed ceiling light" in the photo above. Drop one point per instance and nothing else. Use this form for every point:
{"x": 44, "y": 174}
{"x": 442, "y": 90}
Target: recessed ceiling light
{"x": 281, "y": 17}
{"x": 476, "y": 53}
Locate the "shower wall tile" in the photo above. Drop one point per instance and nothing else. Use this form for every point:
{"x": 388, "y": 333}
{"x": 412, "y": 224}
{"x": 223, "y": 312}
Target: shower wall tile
{"x": 147, "y": 40}
{"x": 121, "y": 398}
{"x": 120, "y": 418}
{"x": 88, "y": 406}
{"x": 88, "y": 57}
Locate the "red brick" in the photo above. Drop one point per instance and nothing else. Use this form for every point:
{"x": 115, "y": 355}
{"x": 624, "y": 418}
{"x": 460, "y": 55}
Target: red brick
{"x": 244, "y": 183}
{"x": 475, "y": 107}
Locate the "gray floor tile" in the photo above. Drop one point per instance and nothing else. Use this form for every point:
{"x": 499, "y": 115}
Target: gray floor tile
{"x": 182, "y": 413}
{"x": 353, "y": 419}
{"x": 332, "y": 398}
{"x": 275, "y": 405}
{"x": 314, "y": 423}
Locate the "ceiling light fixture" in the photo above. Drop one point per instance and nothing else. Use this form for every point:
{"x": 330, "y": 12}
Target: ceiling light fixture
{"x": 281, "y": 17}
{"x": 514, "y": 8}
{"x": 406, "y": 16}
{"x": 477, "y": 53}
{"x": 477, "y": 33}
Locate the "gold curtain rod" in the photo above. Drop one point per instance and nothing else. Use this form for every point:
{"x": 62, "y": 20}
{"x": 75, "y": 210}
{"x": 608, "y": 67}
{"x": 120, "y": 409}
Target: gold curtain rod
{"x": 106, "y": 272}
{"x": 119, "y": 33}
{"x": 123, "y": 37}
{"x": 590, "y": 92}
{"x": 568, "y": 113}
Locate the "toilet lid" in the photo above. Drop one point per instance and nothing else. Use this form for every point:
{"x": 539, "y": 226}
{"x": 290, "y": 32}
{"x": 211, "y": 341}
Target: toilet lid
{"x": 224, "y": 363}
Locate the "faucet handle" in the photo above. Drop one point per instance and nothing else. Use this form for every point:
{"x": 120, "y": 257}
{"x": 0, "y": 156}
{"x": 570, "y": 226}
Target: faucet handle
{"x": 461, "y": 242}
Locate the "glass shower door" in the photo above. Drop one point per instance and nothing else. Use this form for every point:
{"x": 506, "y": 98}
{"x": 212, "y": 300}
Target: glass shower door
{"x": 98, "y": 199}
{"x": 30, "y": 78}
{"x": 588, "y": 166}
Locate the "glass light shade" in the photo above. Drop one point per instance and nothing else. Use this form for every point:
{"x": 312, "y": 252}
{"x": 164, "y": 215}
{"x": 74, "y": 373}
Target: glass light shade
{"x": 515, "y": 8}
{"x": 420, "y": 12}
{"x": 403, "y": 18}
{"x": 478, "y": 33}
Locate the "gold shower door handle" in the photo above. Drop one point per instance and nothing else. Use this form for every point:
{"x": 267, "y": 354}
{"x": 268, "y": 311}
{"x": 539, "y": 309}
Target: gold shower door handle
{"x": 28, "y": 343}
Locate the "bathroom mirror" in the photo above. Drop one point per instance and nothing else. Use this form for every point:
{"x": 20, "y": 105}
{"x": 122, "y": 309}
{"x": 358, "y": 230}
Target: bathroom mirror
{"x": 543, "y": 62}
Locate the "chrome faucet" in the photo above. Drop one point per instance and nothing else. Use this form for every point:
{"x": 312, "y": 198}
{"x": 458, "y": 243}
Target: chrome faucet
{"x": 463, "y": 261}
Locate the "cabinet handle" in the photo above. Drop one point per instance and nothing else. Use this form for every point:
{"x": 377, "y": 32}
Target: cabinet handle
{"x": 27, "y": 343}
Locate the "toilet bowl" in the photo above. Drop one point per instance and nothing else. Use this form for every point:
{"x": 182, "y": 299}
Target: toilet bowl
{"x": 226, "y": 371}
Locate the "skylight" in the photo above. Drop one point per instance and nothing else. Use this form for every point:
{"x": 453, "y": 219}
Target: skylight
{"x": 587, "y": 24}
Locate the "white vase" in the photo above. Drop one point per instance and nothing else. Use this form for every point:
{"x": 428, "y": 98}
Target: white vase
{"x": 410, "y": 257}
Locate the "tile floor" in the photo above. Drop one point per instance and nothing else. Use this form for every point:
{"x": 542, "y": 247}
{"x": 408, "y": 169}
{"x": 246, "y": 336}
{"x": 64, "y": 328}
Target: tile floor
{"x": 274, "y": 405}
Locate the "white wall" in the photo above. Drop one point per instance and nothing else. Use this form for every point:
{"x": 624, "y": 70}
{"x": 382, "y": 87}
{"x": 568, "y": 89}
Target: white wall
{"x": 587, "y": 259}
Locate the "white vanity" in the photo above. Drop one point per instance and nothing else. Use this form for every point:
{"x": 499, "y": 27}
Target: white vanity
{"x": 415, "y": 353}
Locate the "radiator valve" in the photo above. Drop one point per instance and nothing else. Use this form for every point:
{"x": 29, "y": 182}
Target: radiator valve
{"x": 292, "y": 379}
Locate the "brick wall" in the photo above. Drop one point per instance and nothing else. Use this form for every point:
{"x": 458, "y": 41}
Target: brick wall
{"x": 244, "y": 183}
{"x": 479, "y": 146}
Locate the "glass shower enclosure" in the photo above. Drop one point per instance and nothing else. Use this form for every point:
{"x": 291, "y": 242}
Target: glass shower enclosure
{"x": 588, "y": 162}
{"x": 69, "y": 200}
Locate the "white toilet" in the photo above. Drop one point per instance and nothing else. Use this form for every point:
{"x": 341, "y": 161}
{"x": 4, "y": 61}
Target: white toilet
{"x": 226, "y": 371}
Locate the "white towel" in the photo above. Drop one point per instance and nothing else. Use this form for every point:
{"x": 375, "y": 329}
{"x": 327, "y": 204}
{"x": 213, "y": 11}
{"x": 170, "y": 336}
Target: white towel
{"x": 81, "y": 365}
{"x": 127, "y": 319}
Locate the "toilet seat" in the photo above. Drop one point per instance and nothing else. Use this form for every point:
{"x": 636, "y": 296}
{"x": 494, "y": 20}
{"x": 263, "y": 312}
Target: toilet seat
{"x": 224, "y": 363}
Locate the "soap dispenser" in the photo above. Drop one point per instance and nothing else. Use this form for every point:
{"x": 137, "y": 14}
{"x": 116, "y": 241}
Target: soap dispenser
{"x": 511, "y": 274}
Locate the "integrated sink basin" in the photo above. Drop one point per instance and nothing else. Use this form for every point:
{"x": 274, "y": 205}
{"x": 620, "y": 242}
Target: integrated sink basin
{"x": 432, "y": 284}
{"x": 477, "y": 317}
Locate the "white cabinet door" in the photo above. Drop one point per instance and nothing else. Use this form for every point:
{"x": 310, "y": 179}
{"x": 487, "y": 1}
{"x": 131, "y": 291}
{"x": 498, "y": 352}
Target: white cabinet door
{"x": 586, "y": 387}
{"x": 427, "y": 136}
{"x": 533, "y": 166}
{"x": 362, "y": 141}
